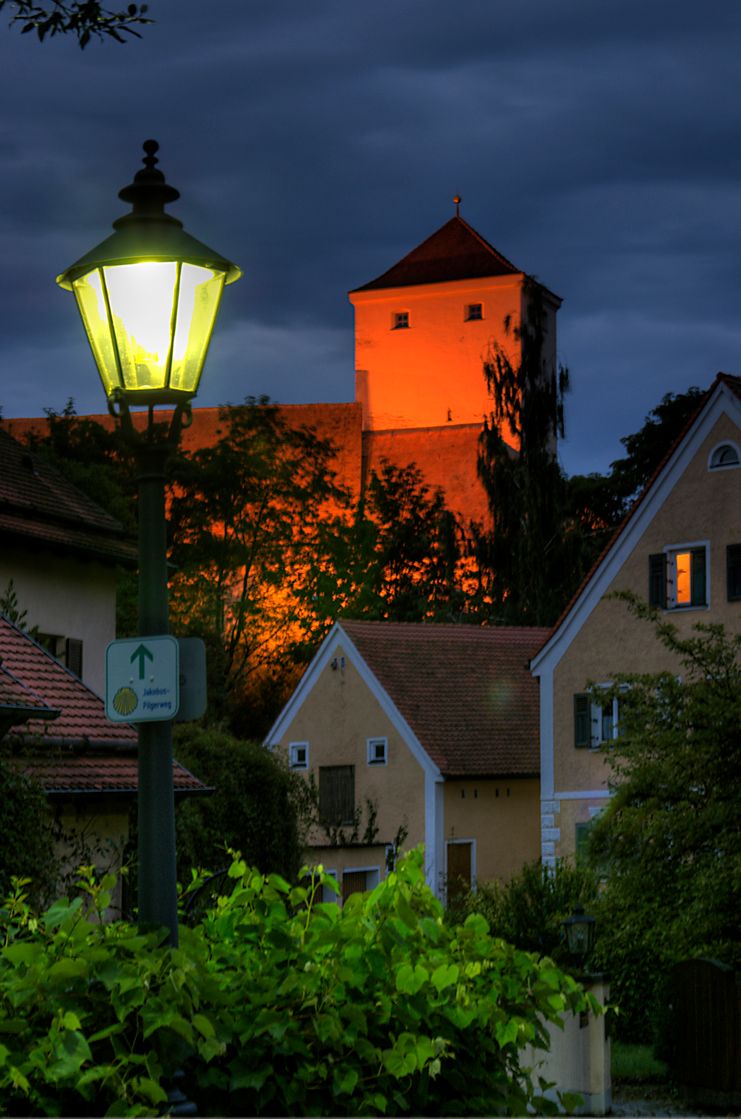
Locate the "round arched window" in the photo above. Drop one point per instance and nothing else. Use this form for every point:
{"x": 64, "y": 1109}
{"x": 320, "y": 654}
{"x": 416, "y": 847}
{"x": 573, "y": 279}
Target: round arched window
{"x": 725, "y": 454}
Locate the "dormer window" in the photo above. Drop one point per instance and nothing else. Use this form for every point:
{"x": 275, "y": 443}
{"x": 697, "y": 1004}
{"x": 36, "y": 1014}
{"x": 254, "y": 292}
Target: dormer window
{"x": 400, "y": 320}
{"x": 474, "y": 312}
{"x": 724, "y": 455}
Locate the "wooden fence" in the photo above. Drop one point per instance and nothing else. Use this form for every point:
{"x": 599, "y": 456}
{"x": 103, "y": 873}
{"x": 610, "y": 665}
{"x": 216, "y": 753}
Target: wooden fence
{"x": 705, "y": 1032}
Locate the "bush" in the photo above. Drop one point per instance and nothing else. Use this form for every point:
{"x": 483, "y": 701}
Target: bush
{"x": 530, "y": 909}
{"x": 276, "y": 1003}
{"x": 256, "y": 807}
{"x": 27, "y": 829}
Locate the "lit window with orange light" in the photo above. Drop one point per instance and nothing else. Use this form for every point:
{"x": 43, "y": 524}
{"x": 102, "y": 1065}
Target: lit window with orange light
{"x": 679, "y": 578}
{"x": 683, "y": 581}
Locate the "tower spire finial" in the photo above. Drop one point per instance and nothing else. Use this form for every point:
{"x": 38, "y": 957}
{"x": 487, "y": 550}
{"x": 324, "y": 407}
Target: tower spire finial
{"x": 457, "y": 200}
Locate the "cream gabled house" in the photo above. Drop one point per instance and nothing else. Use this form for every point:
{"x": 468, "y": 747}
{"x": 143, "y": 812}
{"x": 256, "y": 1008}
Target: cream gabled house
{"x": 424, "y": 731}
{"x": 679, "y": 549}
{"x": 62, "y": 553}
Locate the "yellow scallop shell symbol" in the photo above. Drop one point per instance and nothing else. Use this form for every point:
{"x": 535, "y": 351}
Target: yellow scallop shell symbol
{"x": 125, "y": 701}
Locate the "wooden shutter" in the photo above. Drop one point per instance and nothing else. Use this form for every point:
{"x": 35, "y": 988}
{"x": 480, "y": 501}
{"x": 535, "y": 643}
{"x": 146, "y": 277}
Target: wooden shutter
{"x": 73, "y": 655}
{"x": 657, "y": 580}
{"x": 336, "y": 794}
{"x": 698, "y": 581}
{"x": 733, "y": 572}
{"x": 582, "y": 843}
{"x": 582, "y": 721}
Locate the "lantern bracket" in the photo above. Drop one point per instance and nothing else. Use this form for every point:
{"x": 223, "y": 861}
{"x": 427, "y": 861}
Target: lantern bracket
{"x": 155, "y": 434}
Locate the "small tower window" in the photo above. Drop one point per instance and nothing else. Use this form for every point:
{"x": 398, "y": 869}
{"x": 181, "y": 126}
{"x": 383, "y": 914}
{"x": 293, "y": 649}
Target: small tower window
{"x": 474, "y": 312}
{"x": 400, "y": 320}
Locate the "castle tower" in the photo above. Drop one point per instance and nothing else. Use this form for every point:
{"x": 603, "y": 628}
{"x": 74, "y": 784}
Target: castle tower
{"x": 424, "y": 329}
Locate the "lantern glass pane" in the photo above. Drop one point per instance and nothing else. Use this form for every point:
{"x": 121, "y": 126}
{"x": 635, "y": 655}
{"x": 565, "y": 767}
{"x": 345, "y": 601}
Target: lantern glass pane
{"x": 198, "y": 303}
{"x": 141, "y": 298}
{"x": 92, "y": 306}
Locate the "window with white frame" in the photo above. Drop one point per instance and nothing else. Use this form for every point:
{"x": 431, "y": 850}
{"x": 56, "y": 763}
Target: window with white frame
{"x": 377, "y": 751}
{"x": 678, "y": 577}
{"x": 594, "y": 723}
{"x": 400, "y": 320}
{"x": 723, "y": 456}
{"x": 298, "y": 755}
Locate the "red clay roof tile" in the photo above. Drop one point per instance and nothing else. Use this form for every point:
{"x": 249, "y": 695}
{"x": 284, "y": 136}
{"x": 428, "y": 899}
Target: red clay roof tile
{"x": 466, "y": 691}
{"x": 90, "y": 774}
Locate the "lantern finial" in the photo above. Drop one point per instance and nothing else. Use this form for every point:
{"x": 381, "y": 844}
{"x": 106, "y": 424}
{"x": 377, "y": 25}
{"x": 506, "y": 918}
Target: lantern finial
{"x": 149, "y": 193}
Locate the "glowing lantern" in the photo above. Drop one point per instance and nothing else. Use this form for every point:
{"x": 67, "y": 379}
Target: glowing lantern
{"x": 148, "y": 296}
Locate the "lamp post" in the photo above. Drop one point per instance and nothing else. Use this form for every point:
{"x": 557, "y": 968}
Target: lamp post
{"x": 148, "y": 296}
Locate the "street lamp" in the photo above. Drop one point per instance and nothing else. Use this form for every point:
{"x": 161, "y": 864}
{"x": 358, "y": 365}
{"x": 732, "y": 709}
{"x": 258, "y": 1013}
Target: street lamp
{"x": 148, "y": 296}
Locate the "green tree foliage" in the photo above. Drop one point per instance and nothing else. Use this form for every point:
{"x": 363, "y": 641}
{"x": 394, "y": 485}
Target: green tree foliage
{"x": 276, "y": 1003}
{"x": 529, "y": 909}
{"x": 85, "y": 19}
{"x": 252, "y": 521}
{"x": 400, "y": 559}
{"x": 27, "y": 828}
{"x": 669, "y": 835}
{"x": 92, "y": 457}
{"x": 529, "y": 551}
{"x": 258, "y": 806}
{"x": 647, "y": 447}
{"x": 268, "y": 550}
{"x": 11, "y": 607}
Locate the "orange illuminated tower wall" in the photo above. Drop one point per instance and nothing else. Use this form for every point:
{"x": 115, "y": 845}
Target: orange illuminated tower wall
{"x": 424, "y": 329}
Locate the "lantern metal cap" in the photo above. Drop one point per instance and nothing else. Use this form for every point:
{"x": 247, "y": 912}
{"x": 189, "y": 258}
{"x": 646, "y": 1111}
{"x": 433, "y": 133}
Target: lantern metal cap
{"x": 148, "y": 233}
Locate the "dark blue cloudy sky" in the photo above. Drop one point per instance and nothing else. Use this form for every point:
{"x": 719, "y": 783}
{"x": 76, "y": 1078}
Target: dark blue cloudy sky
{"x": 596, "y": 143}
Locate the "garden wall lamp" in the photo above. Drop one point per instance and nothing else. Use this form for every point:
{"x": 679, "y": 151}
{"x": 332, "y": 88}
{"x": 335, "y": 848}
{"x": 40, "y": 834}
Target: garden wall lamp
{"x": 579, "y": 930}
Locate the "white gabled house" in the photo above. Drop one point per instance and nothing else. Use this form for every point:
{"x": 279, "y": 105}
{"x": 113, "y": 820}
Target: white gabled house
{"x": 422, "y": 730}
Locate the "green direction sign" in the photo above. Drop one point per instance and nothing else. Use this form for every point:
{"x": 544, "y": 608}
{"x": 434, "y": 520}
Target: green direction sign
{"x": 142, "y": 679}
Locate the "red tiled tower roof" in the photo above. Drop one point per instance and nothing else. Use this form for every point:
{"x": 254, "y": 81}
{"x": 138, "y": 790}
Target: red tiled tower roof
{"x": 466, "y": 691}
{"x": 454, "y": 252}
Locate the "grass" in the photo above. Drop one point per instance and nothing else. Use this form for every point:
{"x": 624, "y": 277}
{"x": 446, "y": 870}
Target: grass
{"x": 636, "y": 1064}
